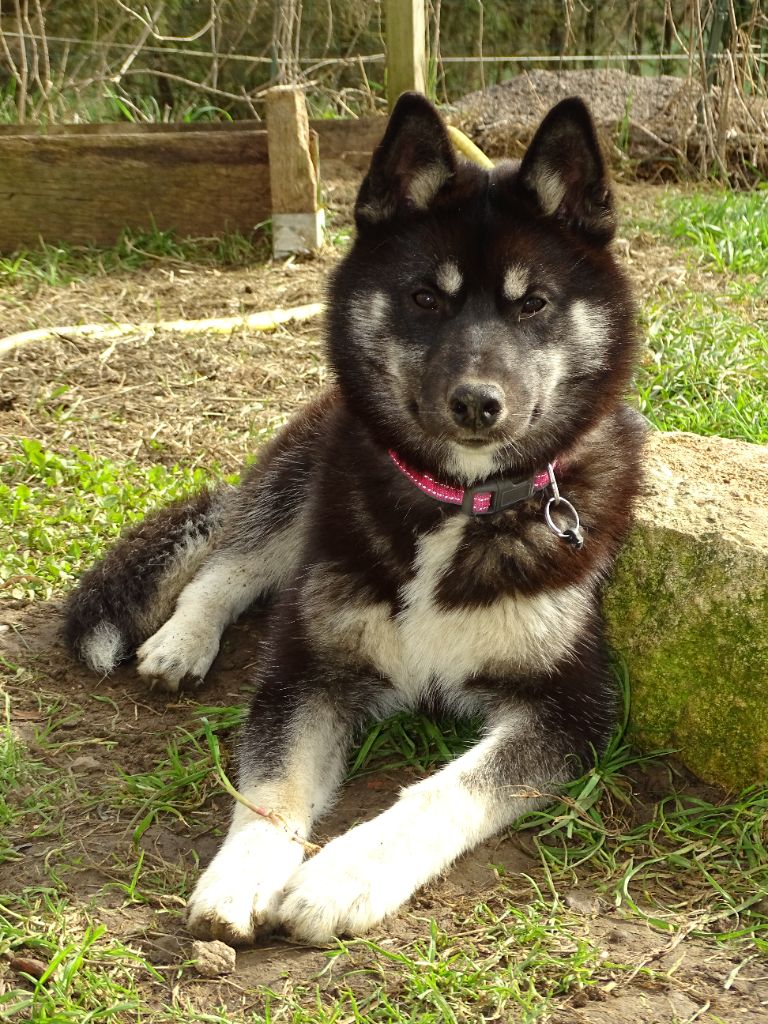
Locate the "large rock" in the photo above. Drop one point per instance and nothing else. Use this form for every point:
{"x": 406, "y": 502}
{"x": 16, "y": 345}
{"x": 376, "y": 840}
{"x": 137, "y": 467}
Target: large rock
{"x": 688, "y": 607}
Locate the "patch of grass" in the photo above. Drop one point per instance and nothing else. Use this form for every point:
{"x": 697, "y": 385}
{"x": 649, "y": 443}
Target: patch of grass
{"x": 683, "y": 863}
{"x": 16, "y": 771}
{"x": 58, "y": 265}
{"x": 59, "y": 512}
{"x": 83, "y": 974}
{"x": 502, "y": 963}
{"x": 412, "y": 741}
{"x": 30, "y": 791}
{"x": 729, "y": 230}
{"x": 706, "y": 369}
{"x": 694, "y": 864}
{"x": 182, "y": 779}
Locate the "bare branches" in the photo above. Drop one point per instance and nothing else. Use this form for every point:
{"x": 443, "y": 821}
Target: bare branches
{"x": 287, "y": 40}
{"x": 162, "y": 59}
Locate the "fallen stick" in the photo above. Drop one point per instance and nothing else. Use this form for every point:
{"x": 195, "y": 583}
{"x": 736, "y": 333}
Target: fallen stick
{"x": 264, "y": 321}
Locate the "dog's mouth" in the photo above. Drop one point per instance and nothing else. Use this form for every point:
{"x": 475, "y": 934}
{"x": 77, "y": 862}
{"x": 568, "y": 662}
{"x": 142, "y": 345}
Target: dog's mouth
{"x": 474, "y": 442}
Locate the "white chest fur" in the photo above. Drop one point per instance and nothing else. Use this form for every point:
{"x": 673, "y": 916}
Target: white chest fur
{"x": 425, "y": 644}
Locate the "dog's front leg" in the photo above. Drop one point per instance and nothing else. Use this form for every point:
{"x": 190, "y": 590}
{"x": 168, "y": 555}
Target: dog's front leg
{"x": 371, "y": 870}
{"x": 292, "y": 759}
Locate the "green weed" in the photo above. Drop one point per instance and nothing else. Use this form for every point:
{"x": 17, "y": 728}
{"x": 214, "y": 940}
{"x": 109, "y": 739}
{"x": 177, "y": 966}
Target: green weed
{"x": 411, "y": 741}
{"x": 688, "y": 863}
{"x": 86, "y": 976}
{"x": 706, "y": 368}
{"x": 58, "y": 265}
{"x": 59, "y": 512}
{"x": 729, "y": 230}
{"x": 32, "y": 794}
{"x": 503, "y": 963}
{"x": 183, "y": 778}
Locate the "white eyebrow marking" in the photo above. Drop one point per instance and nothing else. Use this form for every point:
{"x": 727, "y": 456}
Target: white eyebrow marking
{"x": 515, "y": 282}
{"x": 379, "y": 308}
{"x": 448, "y": 277}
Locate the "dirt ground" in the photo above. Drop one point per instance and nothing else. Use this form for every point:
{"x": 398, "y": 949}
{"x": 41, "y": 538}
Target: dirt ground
{"x": 127, "y": 728}
{"x": 168, "y": 398}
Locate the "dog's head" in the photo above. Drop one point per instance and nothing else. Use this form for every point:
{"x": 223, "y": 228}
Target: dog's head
{"x": 479, "y": 322}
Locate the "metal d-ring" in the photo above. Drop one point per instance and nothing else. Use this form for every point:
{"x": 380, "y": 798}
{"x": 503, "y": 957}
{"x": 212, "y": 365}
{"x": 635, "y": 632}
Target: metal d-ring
{"x": 572, "y": 534}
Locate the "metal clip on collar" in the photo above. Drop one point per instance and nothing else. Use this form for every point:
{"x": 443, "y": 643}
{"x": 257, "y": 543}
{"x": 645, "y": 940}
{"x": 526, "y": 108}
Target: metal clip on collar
{"x": 572, "y": 534}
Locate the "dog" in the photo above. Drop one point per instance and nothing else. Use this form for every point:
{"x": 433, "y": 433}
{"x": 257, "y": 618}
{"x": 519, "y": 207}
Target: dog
{"x": 434, "y": 531}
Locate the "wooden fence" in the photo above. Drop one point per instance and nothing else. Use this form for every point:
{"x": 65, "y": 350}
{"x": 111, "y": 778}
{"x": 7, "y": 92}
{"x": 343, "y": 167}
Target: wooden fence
{"x": 84, "y": 184}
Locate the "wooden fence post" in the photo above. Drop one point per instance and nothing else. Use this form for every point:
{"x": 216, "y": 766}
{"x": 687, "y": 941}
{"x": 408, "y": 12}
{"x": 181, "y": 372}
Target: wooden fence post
{"x": 406, "y": 29}
{"x": 297, "y": 220}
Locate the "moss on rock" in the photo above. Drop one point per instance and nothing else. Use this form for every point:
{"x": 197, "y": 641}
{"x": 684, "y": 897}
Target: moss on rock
{"x": 688, "y": 611}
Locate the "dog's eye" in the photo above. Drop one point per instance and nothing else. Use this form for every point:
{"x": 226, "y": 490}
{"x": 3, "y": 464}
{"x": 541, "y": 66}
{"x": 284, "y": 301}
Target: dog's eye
{"x": 425, "y": 299}
{"x": 531, "y": 306}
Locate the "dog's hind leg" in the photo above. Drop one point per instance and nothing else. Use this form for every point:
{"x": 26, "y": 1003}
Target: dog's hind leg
{"x": 233, "y": 578}
{"x": 259, "y": 548}
{"x": 171, "y": 585}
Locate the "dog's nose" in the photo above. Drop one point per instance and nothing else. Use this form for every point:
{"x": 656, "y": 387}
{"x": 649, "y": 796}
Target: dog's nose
{"x": 477, "y": 406}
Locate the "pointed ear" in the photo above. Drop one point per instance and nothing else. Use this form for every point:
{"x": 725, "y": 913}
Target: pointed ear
{"x": 411, "y": 164}
{"x": 564, "y": 170}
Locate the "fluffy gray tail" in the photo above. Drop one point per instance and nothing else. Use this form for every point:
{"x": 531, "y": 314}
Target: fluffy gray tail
{"x": 132, "y": 591}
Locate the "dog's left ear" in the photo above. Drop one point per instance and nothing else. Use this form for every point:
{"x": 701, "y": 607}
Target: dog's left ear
{"x": 564, "y": 170}
{"x": 411, "y": 164}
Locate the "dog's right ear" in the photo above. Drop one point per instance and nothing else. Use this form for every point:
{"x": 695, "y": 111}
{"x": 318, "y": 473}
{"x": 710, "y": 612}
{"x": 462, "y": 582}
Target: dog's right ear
{"x": 411, "y": 163}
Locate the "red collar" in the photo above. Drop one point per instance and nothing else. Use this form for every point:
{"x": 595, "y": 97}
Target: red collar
{"x": 482, "y": 499}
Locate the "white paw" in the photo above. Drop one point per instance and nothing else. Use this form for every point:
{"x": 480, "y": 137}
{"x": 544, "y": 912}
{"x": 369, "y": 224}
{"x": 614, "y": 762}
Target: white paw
{"x": 353, "y": 883}
{"x": 180, "y": 651}
{"x": 239, "y": 892}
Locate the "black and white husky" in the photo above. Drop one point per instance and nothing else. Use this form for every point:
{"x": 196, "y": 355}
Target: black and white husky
{"x": 435, "y": 530}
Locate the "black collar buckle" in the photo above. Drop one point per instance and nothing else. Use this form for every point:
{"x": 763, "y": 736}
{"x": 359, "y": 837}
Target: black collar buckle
{"x": 504, "y": 494}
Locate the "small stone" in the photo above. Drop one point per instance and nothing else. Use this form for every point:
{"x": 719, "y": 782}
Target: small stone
{"x": 213, "y": 959}
{"x": 85, "y": 763}
{"x": 585, "y": 903}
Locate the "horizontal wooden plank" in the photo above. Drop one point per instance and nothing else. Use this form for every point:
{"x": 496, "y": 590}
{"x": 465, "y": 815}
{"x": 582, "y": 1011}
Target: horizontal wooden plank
{"x": 132, "y": 128}
{"x": 348, "y": 135}
{"x": 85, "y": 183}
{"x": 86, "y": 188}
{"x": 337, "y": 135}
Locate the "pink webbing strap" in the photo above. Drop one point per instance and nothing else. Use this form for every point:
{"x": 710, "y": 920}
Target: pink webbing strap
{"x": 442, "y": 492}
{"x": 481, "y": 501}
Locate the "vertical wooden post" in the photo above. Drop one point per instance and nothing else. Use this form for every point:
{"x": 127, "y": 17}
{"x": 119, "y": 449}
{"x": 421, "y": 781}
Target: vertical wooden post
{"x": 297, "y": 220}
{"x": 406, "y": 29}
